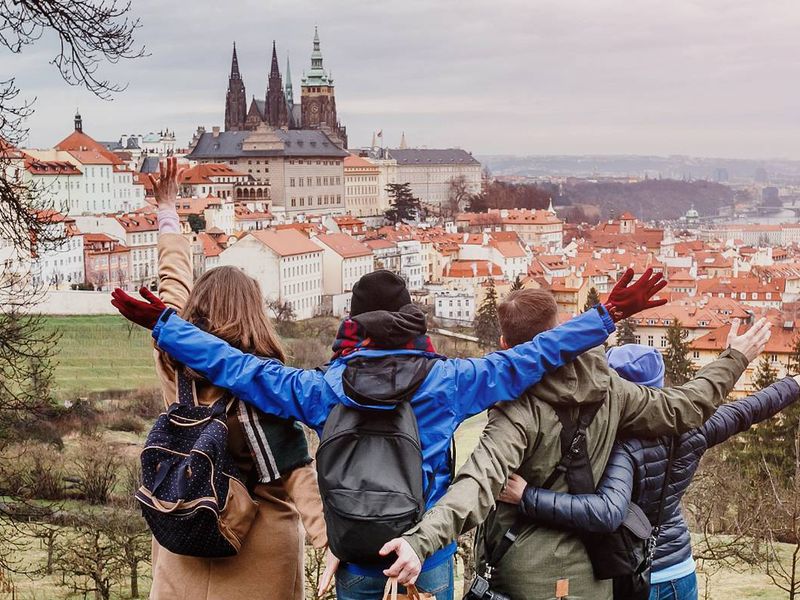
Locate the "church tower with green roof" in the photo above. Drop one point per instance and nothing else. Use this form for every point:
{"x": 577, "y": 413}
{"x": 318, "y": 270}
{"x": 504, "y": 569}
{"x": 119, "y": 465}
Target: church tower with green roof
{"x": 318, "y": 100}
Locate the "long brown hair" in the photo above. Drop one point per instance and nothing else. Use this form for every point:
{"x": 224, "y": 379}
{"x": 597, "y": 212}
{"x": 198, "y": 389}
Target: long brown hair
{"x": 228, "y": 304}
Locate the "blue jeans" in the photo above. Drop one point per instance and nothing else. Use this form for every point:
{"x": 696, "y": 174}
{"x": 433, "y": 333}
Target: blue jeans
{"x": 437, "y": 581}
{"x": 684, "y": 588}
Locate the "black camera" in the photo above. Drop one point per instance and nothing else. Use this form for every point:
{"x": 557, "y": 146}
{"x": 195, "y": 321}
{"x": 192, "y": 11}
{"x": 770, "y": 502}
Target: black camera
{"x": 479, "y": 589}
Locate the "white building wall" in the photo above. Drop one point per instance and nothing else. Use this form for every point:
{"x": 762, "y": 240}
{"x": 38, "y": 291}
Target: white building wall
{"x": 431, "y": 183}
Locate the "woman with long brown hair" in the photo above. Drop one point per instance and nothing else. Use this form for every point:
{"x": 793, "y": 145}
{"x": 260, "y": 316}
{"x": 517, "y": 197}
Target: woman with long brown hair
{"x": 272, "y": 453}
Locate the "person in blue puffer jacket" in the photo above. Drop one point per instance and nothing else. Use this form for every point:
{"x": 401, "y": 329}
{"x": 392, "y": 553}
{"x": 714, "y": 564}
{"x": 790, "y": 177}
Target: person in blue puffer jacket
{"x": 383, "y": 327}
{"x": 637, "y": 468}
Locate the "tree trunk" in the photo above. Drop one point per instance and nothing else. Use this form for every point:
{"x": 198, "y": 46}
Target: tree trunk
{"x": 134, "y": 580}
{"x": 51, "y": 538}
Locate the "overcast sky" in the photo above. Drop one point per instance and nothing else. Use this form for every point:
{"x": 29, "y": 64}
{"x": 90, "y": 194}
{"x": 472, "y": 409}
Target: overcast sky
{"x": 706, "y": 77}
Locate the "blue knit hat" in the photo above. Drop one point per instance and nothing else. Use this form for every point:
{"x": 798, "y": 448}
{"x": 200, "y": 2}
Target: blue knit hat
{"x": 639, "y": 364}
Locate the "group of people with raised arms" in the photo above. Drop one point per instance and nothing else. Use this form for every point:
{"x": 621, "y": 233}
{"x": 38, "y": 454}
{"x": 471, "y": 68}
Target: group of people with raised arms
{"x": 214, "y": 334}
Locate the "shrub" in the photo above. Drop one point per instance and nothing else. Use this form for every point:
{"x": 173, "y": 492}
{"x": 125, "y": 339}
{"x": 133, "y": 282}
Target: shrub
{"x": 97, "y": 464}
{"x": 123, "y": 422}
{"x": 308, "y": 353}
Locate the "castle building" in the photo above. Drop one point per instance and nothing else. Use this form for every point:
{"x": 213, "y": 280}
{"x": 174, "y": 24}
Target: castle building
{"x": 316, "y": 110}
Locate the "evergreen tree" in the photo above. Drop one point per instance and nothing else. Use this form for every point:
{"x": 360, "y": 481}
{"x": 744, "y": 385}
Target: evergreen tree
{"x": 626, "y": 332}
{"x": 592, "y": 299}
{"x": 517, "y": 284}
{"x": 773, "y": 441}
{"x": 677, "y": 362}
{"x": 487, "y": 326}
{"x": 765, "y": 376}
{"x": 403, "y": 205}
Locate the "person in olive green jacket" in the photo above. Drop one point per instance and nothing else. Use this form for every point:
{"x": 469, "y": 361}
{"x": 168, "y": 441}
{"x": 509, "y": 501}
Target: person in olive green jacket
{"x": 523, "y": 437}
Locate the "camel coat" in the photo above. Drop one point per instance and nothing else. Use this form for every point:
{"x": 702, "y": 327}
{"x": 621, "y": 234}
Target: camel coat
{"x": 270, "y": 563}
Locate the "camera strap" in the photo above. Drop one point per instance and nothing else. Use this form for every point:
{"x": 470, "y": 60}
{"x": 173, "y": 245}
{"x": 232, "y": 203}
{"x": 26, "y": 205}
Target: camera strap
{"x": 661, "y": 501}
{"x": 574, "y": 465}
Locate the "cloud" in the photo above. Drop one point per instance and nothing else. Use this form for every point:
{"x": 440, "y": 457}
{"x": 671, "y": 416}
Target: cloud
{"x": 710, "y": 77}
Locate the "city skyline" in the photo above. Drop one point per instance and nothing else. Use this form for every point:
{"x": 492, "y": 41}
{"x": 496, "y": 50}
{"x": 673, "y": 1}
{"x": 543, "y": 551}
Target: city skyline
{"x": 589, "y": 78}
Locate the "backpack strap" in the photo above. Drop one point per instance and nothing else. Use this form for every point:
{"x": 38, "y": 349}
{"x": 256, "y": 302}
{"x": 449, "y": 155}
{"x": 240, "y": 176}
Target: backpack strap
{"x": 186, "y": 389}
{"x": 574, "y": 464}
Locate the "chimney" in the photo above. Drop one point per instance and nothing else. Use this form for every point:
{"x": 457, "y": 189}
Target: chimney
{"x": 215, "y": 131}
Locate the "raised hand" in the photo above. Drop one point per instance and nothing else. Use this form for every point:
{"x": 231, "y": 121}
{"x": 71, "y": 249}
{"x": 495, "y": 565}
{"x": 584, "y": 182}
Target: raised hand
{"x": 145, "y": 314}
{"x": 165, "y": 188}
{"x": 625, "y": 301}
{"x": 752, "y": 342}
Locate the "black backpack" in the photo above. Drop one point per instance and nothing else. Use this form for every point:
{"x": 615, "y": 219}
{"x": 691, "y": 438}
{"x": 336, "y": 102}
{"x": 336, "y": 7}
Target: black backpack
{"x": 369, "y": 462}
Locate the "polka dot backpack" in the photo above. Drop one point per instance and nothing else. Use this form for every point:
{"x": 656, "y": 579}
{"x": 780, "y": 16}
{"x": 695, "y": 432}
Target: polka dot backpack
{"x": 192, "y": 494}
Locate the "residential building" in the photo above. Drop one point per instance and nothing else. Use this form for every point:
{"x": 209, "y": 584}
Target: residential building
{"x": 107, "y": 262}
{"x": 541, "y": 228}
{"x": 287, "y": 265}
{"x": 454, "y": 306}
{"x": 778, "y": 351}
{"x": 58, "y": 182}
{"x": 141, "y": 238}
{"x": 60, "y": 263}
{"x": 361, "y": 191}
{"x": 223, "y": 182}
{"x": 431, "y": 171}
{"x": 344, "y": 261}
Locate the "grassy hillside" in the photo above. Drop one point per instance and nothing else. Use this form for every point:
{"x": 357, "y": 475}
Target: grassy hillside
{"x": 97, "y": 353}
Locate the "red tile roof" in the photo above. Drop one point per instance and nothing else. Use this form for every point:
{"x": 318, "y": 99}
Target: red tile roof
{"x": 79, "y": 142}
{"x": 472, "y": 268}
{"x": 285, "y": 242}
{"x": 344, "y": 245}
{"x": 205, "y": 172}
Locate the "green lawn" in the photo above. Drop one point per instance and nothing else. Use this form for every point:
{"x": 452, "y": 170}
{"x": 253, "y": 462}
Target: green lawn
{"x": 97, "y": 353}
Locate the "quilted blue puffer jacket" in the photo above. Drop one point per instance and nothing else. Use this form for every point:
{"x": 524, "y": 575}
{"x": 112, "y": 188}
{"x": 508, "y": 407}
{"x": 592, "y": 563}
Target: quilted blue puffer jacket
{"x": 637, "y": 469}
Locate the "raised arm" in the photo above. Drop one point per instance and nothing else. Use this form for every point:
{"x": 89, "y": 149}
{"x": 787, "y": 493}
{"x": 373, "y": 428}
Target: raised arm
{"x": 600, "y": 512}
{"x": 736, "y": 417}
{"x": 505, "y": 375}
{"x": 651, "y": 412}
{"x": 481, "y": 383}
{"x": 175, "y": 275}
{"x": 265, "y": 383}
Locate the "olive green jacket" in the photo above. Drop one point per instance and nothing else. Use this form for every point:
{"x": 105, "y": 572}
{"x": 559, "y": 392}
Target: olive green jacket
{"x": 523, "y": 437}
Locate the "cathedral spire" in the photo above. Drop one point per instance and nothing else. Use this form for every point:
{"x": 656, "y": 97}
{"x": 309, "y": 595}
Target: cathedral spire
{"x": 276, "y": 110}
{"x": 235, "y": 64}
{"x": 287, "y": 89}
{"x": 236, "y": 98}
{"x": 316, "y": 75}
{"x": 274, "y": 71}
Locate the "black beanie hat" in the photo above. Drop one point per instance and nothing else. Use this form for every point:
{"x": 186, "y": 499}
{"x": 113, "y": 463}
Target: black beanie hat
{"x": 379, "y": 290}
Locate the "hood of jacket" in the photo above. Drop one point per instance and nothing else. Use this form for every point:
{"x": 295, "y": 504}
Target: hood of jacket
{"x": 583, "y": 381}
{"x": 637, "y": 363}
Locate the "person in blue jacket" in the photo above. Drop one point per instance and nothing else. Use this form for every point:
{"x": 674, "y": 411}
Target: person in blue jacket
{"x": 383, "y": 325}
{"x": 636, "y": 472}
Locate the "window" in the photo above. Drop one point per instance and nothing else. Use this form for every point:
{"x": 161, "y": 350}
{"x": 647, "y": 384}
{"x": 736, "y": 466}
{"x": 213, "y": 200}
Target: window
{"x": 695, "y": 354}
{"x": 649, "y": 340}
{"x": 291, "y": 182}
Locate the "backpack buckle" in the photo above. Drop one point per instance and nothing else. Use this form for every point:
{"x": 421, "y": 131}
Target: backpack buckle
{"x": 510, "y": 536}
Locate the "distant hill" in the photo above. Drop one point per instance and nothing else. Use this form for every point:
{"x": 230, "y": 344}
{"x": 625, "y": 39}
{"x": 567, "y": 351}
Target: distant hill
{"x": 652, "y": 199}
{"x": 669, "y": 167}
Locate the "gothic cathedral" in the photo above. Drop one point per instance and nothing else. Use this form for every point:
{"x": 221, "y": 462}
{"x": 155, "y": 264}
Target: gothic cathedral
{"x": 317, "y": 108}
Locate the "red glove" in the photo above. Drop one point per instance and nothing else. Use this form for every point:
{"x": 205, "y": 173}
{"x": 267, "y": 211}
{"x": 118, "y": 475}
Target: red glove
{"x": 142, "y": 313}
{"x": 625, "y": 301}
